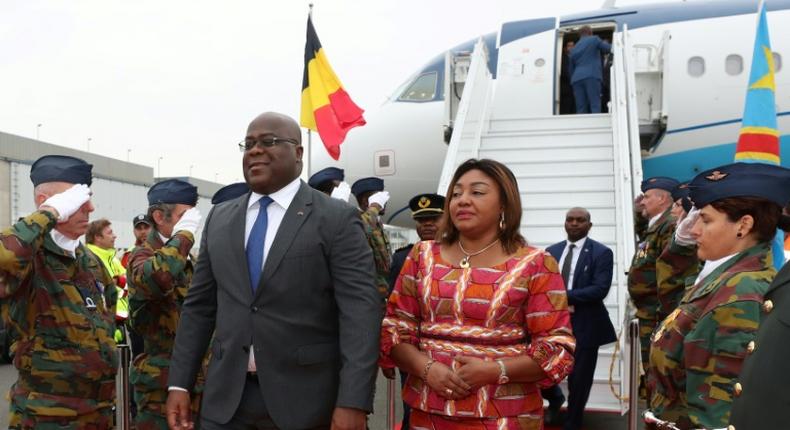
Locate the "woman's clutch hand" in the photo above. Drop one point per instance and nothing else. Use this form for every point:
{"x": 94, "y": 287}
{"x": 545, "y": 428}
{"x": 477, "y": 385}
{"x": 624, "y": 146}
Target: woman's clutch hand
{"x": 446, "y": 383}
{"x": 477, "y": 372}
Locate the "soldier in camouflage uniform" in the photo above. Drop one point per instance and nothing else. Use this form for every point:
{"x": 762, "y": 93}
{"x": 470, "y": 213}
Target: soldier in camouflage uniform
{"x": 372, "y": 198}
{"x": 59, "y": 304}
{"x": 697, "y": 352}
{"x": 160, "y": 272}
{"x": 678, "y": 262}
{"x": 642, "y": 284}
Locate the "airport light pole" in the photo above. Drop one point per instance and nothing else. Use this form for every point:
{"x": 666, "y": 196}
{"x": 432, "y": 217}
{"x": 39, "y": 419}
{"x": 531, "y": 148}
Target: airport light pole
{"x": 88, "y": 144}
{"x": 190, "y": 170}
{"x": 216, "y": 176}
{"x": 159, "y": 167}
{"x": 128, "y": 151}
{"x": 38, "y": 129}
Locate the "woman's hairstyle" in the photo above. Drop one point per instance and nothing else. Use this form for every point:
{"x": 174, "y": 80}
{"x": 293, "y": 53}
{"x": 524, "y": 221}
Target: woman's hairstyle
{"x": 508, "y": 194}
{"x": 767, "y": 215}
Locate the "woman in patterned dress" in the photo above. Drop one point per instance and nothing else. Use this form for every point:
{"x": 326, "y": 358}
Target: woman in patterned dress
{"x": 479, "y": 320}
{"x": 697, "y": 352}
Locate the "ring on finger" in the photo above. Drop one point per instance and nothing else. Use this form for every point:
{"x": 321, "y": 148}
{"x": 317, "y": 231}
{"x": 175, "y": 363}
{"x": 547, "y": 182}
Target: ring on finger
{"x": 449, "y": 391}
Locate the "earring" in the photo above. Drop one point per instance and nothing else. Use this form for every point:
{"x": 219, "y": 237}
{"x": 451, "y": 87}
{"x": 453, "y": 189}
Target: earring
{"x": 739, "y": 235}
{"x": 501, "y": 220}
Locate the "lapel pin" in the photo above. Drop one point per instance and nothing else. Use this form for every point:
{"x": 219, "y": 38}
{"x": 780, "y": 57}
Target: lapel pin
{"x": 299, "y": 213}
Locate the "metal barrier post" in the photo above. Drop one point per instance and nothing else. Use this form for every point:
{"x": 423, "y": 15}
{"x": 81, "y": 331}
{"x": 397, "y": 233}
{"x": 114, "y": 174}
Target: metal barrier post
{"x": 123, "y": 395}
{"x": 391, "y": 404}
{"x": 633, "y": 382}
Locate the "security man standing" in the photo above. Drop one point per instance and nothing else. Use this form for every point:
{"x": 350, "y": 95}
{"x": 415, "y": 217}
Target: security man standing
{"x": 642, "y": 286}
{"x": 372, "y": 198}
{"x": 426, "y": 210}
{"x": 61, "y": 306}
{"x": 160, "y": 272}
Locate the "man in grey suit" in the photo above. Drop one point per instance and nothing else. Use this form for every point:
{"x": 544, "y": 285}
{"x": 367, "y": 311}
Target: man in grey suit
{"x": 293, "y": 317}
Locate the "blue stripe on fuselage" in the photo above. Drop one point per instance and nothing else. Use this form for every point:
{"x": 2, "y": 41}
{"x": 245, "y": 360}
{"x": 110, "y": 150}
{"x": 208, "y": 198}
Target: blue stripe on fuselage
{"x": 686, "y": 164}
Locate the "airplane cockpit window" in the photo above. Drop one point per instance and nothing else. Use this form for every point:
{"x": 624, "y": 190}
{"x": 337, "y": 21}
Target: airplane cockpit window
{"x": 696, "y": 66}
{"x": 733, "y": 64}
{"x": 777, "y": 62}
{"x": 423, "y": 88}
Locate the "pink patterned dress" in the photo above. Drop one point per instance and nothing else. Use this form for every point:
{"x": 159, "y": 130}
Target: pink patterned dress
{"x": 513, "y": 309}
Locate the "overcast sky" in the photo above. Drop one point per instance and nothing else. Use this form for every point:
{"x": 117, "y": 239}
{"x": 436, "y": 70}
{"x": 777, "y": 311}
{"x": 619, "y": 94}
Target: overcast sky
{"x": 182, "y": 79}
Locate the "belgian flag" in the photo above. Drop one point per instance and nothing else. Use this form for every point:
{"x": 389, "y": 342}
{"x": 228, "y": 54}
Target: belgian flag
{"x": 326, "y": 107}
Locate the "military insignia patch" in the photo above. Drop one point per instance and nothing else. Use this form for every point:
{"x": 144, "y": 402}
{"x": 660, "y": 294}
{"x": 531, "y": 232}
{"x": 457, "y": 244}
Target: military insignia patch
{"x": 424, "y": 202}
{"x": 663, "y": 327}
{"x": 716, "y": 176}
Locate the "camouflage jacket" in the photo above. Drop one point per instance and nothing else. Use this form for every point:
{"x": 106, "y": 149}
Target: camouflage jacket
{"x": 378, "y": 242}
{"x": 674, "y": 267}
{"x": 60, "y": 310}
{"x": 642, "y": 275}
{"x": 159, "y": 275}
{"x": 697, "y": 352}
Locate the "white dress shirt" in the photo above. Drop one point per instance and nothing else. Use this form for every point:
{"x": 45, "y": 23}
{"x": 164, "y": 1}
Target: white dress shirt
{"x": 66, "y": 244}
{"x": 654, "y": 219}
{"x": 275, "y": 212}
{"x": 710, "y": 266}
{"x": 577, "y": 250}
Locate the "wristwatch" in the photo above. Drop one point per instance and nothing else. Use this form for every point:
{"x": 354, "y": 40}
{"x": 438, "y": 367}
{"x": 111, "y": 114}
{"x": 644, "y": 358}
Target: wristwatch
{"x": 503, "y": 379}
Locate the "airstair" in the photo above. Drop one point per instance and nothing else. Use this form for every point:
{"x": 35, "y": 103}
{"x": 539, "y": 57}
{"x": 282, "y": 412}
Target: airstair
{"x": 592, "y": 161}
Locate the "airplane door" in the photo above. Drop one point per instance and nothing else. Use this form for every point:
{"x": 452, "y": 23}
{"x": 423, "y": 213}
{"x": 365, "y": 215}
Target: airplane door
{"x": 526, "y": 69}
{"x": 650, "y": 63}
{"x": 456, "y": 69}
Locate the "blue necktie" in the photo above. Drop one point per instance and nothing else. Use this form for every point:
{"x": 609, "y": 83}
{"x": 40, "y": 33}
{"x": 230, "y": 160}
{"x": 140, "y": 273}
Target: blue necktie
{"x": 256, "y": 242}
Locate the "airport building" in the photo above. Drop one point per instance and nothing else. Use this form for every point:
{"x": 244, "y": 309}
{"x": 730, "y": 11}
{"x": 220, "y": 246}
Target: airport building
{"x": 119, "y": 187}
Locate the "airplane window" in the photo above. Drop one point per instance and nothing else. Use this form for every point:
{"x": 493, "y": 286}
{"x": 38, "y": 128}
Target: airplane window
{"x": 696, "y": 66}
{"x": 777, "y": 62}
{"x": 422, "y": 89}
{"x": 733, "y": 65}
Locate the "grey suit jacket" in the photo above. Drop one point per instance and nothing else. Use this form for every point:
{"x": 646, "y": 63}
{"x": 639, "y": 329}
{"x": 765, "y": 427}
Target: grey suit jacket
{"x": 314, "y": 321}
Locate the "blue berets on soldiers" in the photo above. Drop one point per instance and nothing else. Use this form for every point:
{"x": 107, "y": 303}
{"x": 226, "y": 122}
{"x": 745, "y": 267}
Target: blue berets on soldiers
{"x": 367, "y": 184}
{"x": 741, "y": 180}
{"x": 173, "y": 191}
{"x": 660, "y": 182}
{"x": 229, "y": 192}
{"x": 323, "y": 175}
{"x": 681, "y": 192}
{"x": 141, "y": 219}
{"x": 61, "y": 168}
{"x": 426, "y": 205}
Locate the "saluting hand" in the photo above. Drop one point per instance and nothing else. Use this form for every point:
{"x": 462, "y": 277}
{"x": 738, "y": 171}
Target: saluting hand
{"x": 65, "y": 204}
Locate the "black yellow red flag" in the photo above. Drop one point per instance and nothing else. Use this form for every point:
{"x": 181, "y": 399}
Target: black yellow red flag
{"x": 326, "y": 107}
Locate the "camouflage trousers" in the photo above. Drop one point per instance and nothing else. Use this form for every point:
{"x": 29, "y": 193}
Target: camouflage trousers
{"x": 646, "y": 314}
{"x": 148, "y": 376}
{"x": 33, "y": 410}
{"x": 152, "y": 416}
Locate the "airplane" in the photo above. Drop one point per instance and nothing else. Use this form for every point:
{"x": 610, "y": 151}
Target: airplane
{"x": 693, "y": 61}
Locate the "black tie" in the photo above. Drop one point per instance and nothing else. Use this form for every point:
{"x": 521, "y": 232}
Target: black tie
{"x": 566, "y": 265}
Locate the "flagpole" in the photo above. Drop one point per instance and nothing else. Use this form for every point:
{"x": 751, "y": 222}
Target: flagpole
{"x": 310, "y": 132}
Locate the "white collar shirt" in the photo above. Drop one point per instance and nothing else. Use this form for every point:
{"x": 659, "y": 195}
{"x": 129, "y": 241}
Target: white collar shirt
{"x": 66, "y": 244}
{"x": 577, "y": 250}
{"x": 710, "y": 266}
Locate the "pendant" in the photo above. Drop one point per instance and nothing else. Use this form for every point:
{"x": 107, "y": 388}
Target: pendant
{"x": 465, "y": 262}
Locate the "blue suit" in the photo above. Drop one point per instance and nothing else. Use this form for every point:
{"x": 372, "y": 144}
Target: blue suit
{"x": 592, "y": 327}
{"x": 586, "y": 68}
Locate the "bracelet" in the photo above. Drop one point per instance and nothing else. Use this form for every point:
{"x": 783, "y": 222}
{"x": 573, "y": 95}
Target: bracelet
{"x": 426, "y": 369}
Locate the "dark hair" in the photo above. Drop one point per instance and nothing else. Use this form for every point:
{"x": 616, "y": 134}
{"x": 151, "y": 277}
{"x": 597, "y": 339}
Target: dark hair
{"x": 95, "y": 228}
{"x": 166, "y": 208}
{"x": 766, "y": 214}
{"x": 586, "y": 31}
{"x": 326, "y": 187}
{"x": 508, "y": 193}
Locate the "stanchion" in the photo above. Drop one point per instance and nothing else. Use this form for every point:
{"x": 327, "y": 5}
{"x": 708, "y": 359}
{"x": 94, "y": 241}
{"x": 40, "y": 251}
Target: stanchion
{"x": 391, "y": 404}
{"x": 123, "y": 395}
{"x": 633, "y": 382}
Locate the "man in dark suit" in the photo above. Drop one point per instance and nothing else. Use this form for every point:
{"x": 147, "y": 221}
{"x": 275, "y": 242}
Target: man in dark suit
{"x": 586, "y": 71}
{"x": 293, "y": 317}
{"x": 586, "y": 267}
{"x": 761, "y": 395}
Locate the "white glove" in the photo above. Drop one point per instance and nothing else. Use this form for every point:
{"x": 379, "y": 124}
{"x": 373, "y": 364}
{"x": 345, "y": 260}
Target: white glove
{"x": 381, "y": 198}
{"x": 69, "y": 201}
{"x": 342, "y": 192}
{"x": 683, "y": 231}
{"x": 189, "y": 221}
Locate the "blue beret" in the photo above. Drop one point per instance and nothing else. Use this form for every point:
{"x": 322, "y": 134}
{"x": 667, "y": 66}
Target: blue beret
{"x": 173, "y": 191}
{"x": 681, "y": 192}
{"x": 61, "y": 168}
{"x": 229, "y": 192}
{"x": 323, "y": 175}
{"x": 660, "y": 182}
{"x": 741, "y": 180}
{"x": 367, "y": 184}
{"x": 426, "y": 205}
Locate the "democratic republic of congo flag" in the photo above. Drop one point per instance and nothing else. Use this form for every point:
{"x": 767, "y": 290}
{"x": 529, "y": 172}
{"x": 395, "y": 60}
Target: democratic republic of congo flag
{"x": 758, "y": 141}
{"x": 326, "y": 107}
{"x": 759, "y": 137}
